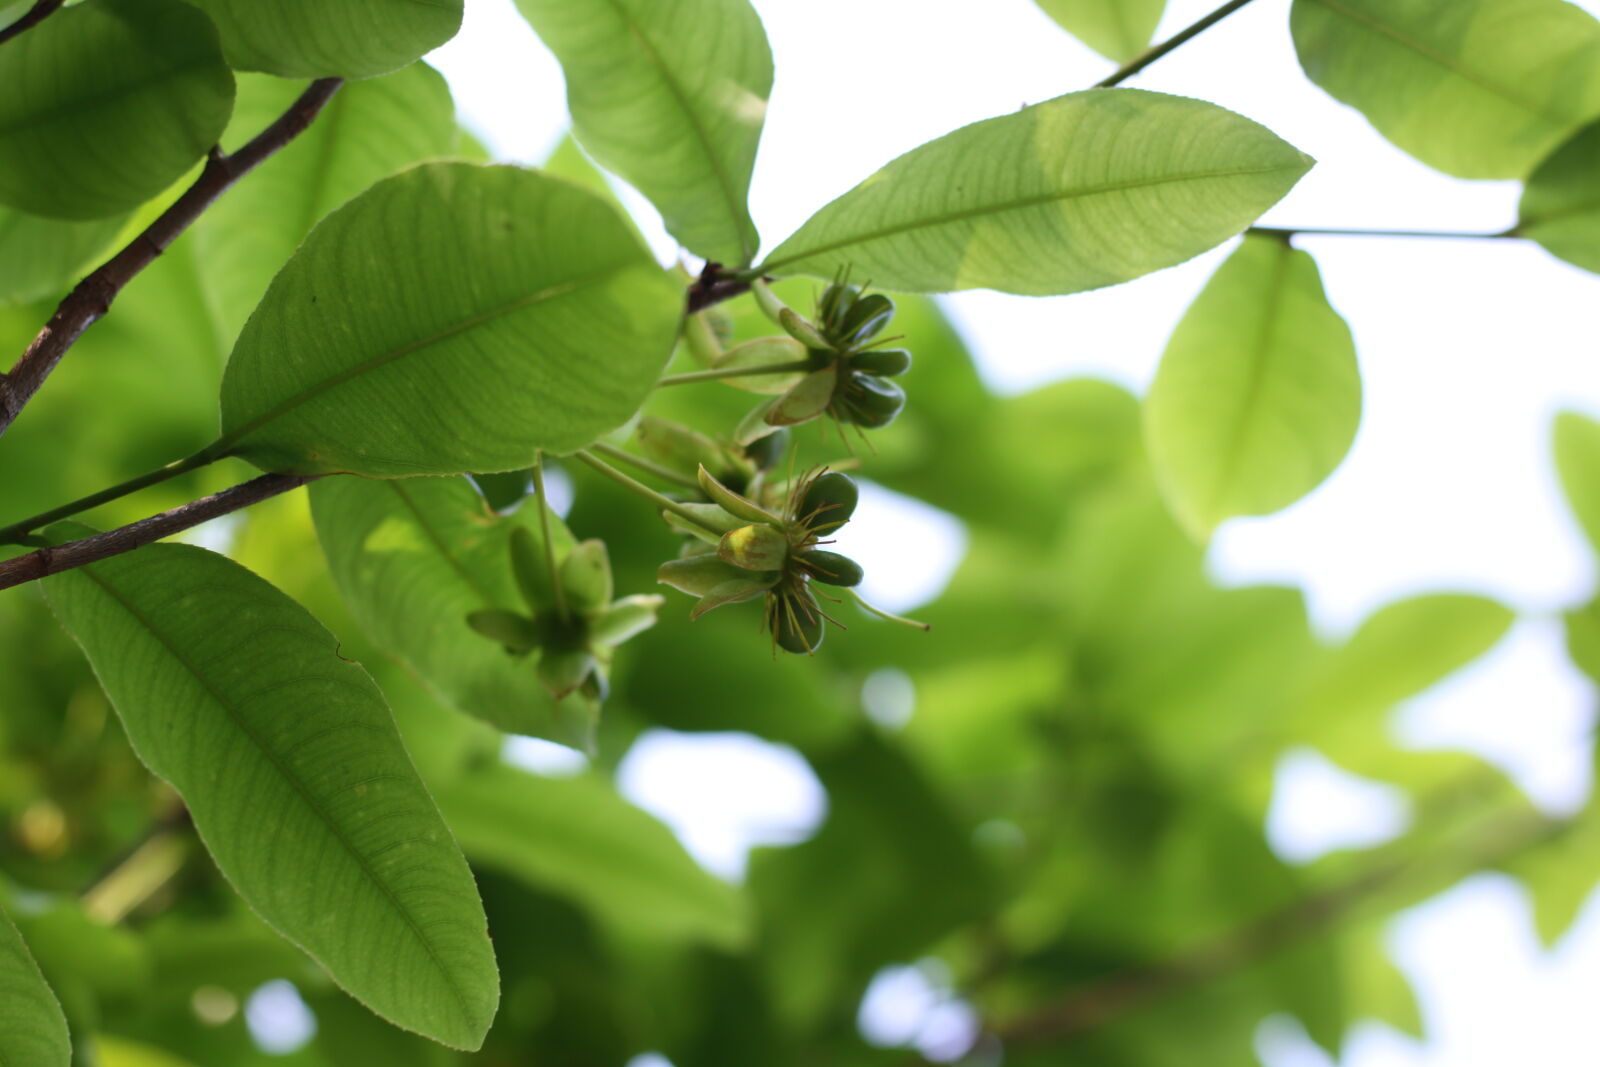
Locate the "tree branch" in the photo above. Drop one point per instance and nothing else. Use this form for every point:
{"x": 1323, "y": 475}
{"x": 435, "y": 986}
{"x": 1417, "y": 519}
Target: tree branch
{"x": 54, "y": 560}
{"x": 36, "y": 14}
{"x": 1182, "y": 37}
{"x": 713, "y": 287}
{"x": 92, "y": 297}
{"x": 1453, "y": 235}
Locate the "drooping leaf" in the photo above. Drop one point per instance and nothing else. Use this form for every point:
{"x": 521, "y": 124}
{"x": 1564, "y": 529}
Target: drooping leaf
{"x": 32, "y": 1028}
{"x": 1258, "y": 394}
{"x": 1117, "y": 29}
{"x": 670, "y": 94}
{"x": 1561, "y": 205}
{"x": 1475, "y": 88}
{"x": 290, "y": 764}
{"x": 104, "y": 105}
{"x": 452, "y": 318}
{"x": 412, "y": 559}
{"x": 41, "y": 258}
{"x": 328, "y": 38}
{"x": 1086, "y": 190}
{"x": 577, "y": 837}
{"x": 1577, "y": 453}
{"x": 369, "y": 130}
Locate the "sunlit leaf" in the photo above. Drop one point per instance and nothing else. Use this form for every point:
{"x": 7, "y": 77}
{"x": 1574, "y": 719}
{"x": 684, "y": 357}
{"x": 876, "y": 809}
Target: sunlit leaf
{"x": 1475, "y": 88}
{"x": 1085, "y": 190}
{"x": 104, "y": 105}
{"x": 1577, "y": 455}
{"x": 290, "y": 764}
{"x": 32, "y": 1028}
{"x": 1560, "y": 206}
{"x": 1117, "y": 29}
{"x": 670, "y": 94}
{"x": 1258, "y": 395}
{"x": 453, "y": 318}
{"x": 325, "y": 38}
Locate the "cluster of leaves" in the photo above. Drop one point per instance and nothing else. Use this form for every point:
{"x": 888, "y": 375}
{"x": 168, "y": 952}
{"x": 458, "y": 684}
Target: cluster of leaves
{"x": 1072, "y": 817}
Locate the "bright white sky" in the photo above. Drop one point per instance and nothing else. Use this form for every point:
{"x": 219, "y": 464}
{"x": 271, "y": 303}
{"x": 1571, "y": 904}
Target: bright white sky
{"x": 1467, "y": 351}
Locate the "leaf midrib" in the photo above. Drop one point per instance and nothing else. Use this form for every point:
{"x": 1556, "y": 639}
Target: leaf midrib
{"x": 310, "y": 801}
{"x": 734, "y": 204}
{"x": 1019, "y": 204}
{"x": 1454, "y": 66}
{"x": 440, "y": 544}
{"x": 383, "y": 359}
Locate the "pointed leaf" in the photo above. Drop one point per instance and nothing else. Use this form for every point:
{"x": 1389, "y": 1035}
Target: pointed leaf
{"x": 1258, "y": 395}
{"x": 1117, "y": 29}
{"x": 732, "y": 502}
{"x": 579, "y": 838}
{"x": 516, "y": 632}
{"x": 412, "y": 559}
{"x": 808, "y": 399}
{"x": 627, "y": 617}
{"x": 238, "y": 697}
{"x": 452, "y": 318}
{"x": 1561, "y": 206}
{"x": 1017, "y": 203}
{"x": 1577, "y": 448}
{"x": 32, "y": 1029}
{"x": 1475, "y": 88}
{"x": 736, "y": 591}
{"x": 104, "y": 105}
{"x": 671, "y": 95}
{"x": 368, "y": 131}
{"x": 327, "y": 38}
{"x": 699, "y": 575}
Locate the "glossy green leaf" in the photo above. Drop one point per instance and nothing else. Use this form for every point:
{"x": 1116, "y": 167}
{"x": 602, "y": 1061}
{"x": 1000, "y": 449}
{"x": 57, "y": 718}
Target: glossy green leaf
{"x": 41, "y": 258}
{"x": 577, "y": 837}
{"x": 369, "y": 130}
{"x": 1561, "y": 205}
{"x": 1085, "y": 190}
{"x": 32, "y": 1028}
{"x": 1577, "y": 454}
{"x": 671, "y": 95}
{"x": 104, "y": 105}
{"x": 412, "y": 559}
{"x": 452, "y": 318}
{"x": 1117, "y": 29}
{"x": 1258, "y": 395}
{"x": 327, "y": 38}
{"x": 1475, "y": 88}
{"x": 289, "y": 762}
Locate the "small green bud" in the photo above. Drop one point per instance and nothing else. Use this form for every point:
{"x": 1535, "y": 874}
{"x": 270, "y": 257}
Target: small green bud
{"x": 801, "y": 330}
{"x": 527, "y": 565}
{"x": 733, "y": 503}
{"x": 829, "y": 501}
{"x": 836, "y": 302}
{"x": 758, "y": 547}
{"x": 870, "y": 403}
{"x": 866, "y": 319}
{"x": 830, "y": 568}
{"x": 798, "y": 625}
{"x": 884, "y": 362}
{"x": 586, "y": 577}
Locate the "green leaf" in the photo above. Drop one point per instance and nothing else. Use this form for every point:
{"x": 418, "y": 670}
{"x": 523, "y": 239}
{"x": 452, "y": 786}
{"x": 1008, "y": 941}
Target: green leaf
{"x": 369, "y": 130}
{"x": 289, "y": 762}
{"x": 579, "y": 838}
{"x": 1085, "y": 190}
{"x": 40, "y": 258}
{"x": 671, "y": 96}
{"x": 1258, "y": 395}
{"x": 326, "y": 38}
{"x": 1577, "y": 449}
{"x": 452, "y": 318}
{"x": 412, "y": 559}
{"x": 104, "y": 105}
{"x": 1117, "y": 29}
{"x": 1475, "y": 88}
{"x": 1560, "y": 207}
{"x": 32, "y": 1029}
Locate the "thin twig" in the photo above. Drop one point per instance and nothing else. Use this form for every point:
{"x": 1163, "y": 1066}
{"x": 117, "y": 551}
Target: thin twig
{"x": 724, "y": 373}
{"x": 1313, "y": 231}
{"x": 36, "y": 14}
{"x": 713, "y": 287}
{"x": 54, "y": 560}
{"x": 92, "y": 297}
{"x": 1155, "y": 52}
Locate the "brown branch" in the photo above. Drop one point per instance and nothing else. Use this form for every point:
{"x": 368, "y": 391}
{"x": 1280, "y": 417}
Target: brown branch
{"x": 54, "y": 560}
{"x": 713, "y": 287}
{"x": 31, "y": 18}
{"x": 92, "y": 297}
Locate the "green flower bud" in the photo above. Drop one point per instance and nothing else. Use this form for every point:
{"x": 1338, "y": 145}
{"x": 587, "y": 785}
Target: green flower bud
{"x": 797, "y": 625}
{"x": 733, "y": 503}
{"x": 828, "y": 501}
{"x": 528, "y": 566}
{"x": 870, "y": 403}
{"x": 866, "y": 319}
{"x": 885, "y": 362}
{"x": 586, "y": 577}
{"x": 836, "y": 302}
{"x": 801, "y": 330}
{"x": 830, "y": 568}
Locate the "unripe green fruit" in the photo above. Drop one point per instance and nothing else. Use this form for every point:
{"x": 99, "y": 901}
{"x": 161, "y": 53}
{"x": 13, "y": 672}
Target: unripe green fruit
{"x": 869, "y": 316}
{"x": 837, "y": 300}
{"x": 830, "y": 568}
{"x": 798, "y": 627}
{"x": 885, "y": 362}
{"x": 829, "y": 501}
{"x": 870, "y": 403}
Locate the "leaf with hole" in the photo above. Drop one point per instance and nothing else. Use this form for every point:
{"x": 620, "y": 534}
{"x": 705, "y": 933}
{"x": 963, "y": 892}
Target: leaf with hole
{"x": 289, "y": 762}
